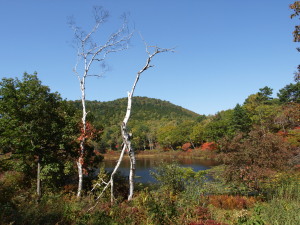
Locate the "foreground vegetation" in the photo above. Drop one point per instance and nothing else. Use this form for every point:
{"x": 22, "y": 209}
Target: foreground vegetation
{"x": 180, "y": 196}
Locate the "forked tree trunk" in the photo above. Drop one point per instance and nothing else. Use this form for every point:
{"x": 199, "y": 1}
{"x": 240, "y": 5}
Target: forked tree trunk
{"x": 126, "y": 137}
{"x": 125, "y": 134}
{"x": 127, "y": 142}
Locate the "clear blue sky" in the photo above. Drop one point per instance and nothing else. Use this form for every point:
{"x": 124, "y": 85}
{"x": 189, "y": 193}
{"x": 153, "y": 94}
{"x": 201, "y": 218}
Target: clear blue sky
{"x": 225, "y": 50}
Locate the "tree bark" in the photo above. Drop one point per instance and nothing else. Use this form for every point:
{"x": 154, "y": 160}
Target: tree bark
{"x": 38, "y": 179}
{"x": 82, "y": 138}
{"x": 80, "y": 177}
{"x": 127, "y": 142}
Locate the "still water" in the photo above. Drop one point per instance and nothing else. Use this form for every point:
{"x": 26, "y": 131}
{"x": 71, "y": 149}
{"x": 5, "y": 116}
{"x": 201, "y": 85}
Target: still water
{"x": 145, "y": 165}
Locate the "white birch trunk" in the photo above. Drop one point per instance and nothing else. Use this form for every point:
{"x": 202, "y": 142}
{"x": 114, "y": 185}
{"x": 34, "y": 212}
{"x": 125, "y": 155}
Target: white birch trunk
{"x": 80, "y": 177}
{"x": 82, "y": 140}
{"x": 126, "y": 138}
{"x": 38, "y": 179}
{"x": 125, "y": 134}
{"x": 88, "y": 52}
{"x": 127, "y": 144}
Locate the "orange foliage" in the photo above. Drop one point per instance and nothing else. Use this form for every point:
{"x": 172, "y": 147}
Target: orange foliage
{"x": 232, "y": 202}
{"x": 186, "y": 146}
{"x": 209, "y": 146}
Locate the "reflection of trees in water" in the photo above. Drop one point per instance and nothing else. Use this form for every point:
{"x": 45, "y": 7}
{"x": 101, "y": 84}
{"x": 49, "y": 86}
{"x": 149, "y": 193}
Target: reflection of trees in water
{"x": 155, "y": 161}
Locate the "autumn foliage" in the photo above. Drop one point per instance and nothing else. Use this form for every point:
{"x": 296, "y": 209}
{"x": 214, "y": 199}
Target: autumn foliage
{"x": 232, "y": 202}
{"x": 186, "y": 146}
{"x": 90, "y": 155}
{"x": 253, "y": 158}
{"x": 209, "y": 146}
{"x": 89, "y": 134}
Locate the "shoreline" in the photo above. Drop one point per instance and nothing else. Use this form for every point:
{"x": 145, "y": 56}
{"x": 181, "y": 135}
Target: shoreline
{"x": 195, "y": 154}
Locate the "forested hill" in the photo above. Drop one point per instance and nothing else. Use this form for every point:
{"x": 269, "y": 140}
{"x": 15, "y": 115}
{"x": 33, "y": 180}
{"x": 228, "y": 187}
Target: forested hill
{"x": 143, "y": 109}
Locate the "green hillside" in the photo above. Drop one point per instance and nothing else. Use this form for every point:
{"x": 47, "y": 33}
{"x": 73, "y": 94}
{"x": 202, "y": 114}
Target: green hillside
{"x": 150, "y": 120}
{"x": 144, "y": 109}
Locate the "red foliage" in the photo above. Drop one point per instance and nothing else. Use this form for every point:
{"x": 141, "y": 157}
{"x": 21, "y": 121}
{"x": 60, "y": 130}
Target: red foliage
{"x": 186, "y": 146}
{"x": 209, "y": 146}
{"x": 202, "y": 213}
{"x": 282, "y": 133}
{"x": 90, "y": 132}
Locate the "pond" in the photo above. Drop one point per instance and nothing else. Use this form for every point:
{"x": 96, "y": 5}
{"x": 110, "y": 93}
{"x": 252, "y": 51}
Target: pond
{"x": 147, "y": 164}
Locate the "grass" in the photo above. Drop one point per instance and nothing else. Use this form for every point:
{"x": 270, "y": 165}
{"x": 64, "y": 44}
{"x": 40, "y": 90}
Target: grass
{"x": 194, "y": 204}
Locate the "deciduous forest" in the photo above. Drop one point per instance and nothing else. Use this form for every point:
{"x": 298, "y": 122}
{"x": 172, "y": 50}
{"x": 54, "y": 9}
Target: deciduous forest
{"x": 256, "y": 146}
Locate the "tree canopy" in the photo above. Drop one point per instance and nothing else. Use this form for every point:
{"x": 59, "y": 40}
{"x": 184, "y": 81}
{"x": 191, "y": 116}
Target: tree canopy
{"x": 35, "y": 125}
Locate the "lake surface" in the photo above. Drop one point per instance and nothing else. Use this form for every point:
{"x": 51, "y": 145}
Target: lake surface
{"x": 145, "y": 165}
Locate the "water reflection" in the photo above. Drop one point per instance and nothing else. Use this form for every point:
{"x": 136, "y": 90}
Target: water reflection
{"x": 145, "y": 165}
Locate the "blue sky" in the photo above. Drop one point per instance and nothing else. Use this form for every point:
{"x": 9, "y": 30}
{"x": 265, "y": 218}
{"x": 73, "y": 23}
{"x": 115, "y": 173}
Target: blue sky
{"x": 225, "y": 50}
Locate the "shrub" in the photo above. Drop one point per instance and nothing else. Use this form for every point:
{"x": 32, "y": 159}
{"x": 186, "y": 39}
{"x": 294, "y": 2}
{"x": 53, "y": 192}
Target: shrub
{"x": 158, "y": 207}
{"x": 174, "y": 178}
{"x": 232, "y": 202}
{"x": 252, "y": 159}
{"x": 121, "y": 185}
{"x": 186, "y": 146}
{"x": 209, "y": 146}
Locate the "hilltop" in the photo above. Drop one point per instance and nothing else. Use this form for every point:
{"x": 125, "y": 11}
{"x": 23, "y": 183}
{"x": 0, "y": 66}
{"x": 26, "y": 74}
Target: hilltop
{"x": 144, "y": 109}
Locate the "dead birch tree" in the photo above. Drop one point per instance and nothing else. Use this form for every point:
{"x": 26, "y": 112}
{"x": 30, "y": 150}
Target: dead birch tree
{"x": 90, "y": 52}
{"x": 126, "y": 135}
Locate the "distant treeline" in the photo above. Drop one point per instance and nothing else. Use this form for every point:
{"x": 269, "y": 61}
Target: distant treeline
{"x": 160, "y": 124}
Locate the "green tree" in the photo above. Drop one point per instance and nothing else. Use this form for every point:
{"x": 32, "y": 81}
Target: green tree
{"x": 240, "y": 119}
{"x": 219, "y": 127}
{"x": 261, "y": 97}
{"x": 32, "y": 123}
{"x": 290, "y": 93}
{"x": 262, "y": 108}
{"x": 111, "y": 138}
{"x": 140, "y": 131}
{"x": 167, "y": 136}
{"x": 265, "y": 93}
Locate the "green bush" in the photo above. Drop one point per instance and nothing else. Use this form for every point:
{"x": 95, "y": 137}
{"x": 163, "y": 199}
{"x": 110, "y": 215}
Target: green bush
{"x": 176, "y": 179}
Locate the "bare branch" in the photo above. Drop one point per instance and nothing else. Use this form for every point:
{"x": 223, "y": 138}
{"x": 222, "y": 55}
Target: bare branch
{"x": 88, "y": 52}
{"x": 125, "y": 134}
